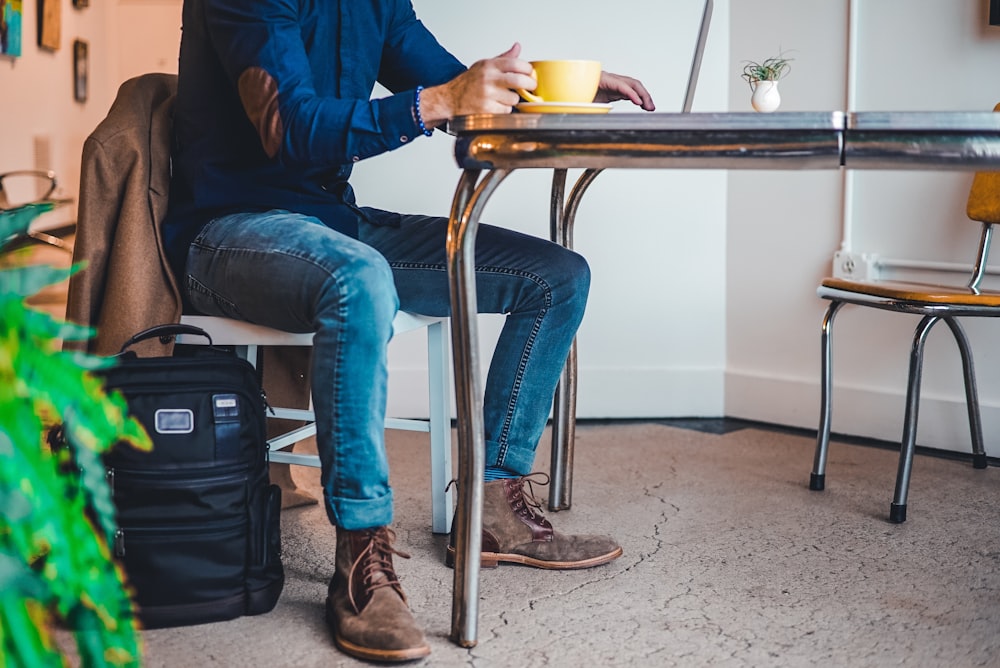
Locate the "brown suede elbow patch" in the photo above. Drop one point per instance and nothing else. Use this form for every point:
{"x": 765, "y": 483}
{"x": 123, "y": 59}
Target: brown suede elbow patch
{"x": 259, "y": 95}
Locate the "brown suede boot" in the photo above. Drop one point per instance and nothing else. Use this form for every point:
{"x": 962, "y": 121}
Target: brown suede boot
{"x": 515, "y": 531}
{"x": 366, "y": 608}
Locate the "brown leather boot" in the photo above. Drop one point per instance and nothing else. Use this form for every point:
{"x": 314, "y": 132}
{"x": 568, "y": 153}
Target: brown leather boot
{"x": 515, "y": 531}
{"x": 366, "y": 608}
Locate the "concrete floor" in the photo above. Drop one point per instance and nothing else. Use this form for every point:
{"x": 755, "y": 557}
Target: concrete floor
{"x": 729, "y": 561}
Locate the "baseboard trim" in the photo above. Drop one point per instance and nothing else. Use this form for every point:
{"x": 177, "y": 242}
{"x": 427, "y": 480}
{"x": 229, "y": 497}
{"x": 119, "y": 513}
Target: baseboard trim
{"x": 864, "y": 412}
{"x": 861, "y": 412}
{"x": 602, "y": 393}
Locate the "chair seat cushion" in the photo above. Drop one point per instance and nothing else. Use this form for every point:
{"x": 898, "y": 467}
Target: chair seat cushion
{"x": 913, "y": 292}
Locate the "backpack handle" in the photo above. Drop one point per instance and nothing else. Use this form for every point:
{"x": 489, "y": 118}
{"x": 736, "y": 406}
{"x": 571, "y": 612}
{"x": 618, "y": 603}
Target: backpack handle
{"x": 165, "y": 334}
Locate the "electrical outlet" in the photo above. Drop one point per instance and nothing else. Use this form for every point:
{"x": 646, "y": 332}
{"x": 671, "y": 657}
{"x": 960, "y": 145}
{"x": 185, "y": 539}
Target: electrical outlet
{"x": 855, "y": 266}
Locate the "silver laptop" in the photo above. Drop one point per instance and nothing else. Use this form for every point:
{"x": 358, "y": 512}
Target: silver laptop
{"x": 699, "y": 50}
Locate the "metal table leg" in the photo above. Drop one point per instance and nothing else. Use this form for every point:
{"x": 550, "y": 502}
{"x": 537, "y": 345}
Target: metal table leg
{"x": 467, "y": 207}
{"x": 561, "y": 222}
{"x": 463, "y": 224}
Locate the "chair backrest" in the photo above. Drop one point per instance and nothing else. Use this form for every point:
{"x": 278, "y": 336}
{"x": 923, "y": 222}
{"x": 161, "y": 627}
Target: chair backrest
{"x": 984, "y": 206}
{"x": 984, "y": 198}
{"x": 28, "y": 187}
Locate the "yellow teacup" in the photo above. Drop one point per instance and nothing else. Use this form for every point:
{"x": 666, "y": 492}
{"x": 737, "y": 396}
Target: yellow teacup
{"x": 564, "y": 81}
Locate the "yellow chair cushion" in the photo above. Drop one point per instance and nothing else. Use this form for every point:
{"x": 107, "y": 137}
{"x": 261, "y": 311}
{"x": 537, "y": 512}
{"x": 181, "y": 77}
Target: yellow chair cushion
{"x": 907, "y": 291}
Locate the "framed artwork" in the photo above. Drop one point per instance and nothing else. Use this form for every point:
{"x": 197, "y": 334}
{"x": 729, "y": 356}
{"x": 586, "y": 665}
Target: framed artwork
{"x": 80, "y": 70}
{"x": 10, "y": 27}
{"x": 49, "y": 23}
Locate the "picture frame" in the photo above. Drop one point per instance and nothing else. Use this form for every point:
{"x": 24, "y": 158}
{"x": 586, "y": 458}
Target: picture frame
{"x": 11, "y": 15}
{"x": 49, "y": 24}
{"x": 81, "y": 67}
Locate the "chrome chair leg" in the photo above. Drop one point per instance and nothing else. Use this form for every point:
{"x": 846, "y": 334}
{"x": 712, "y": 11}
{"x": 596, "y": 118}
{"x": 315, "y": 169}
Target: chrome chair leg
{"x": 897, "y": 511}
{"x": 817, "y": 480}
{"x": 439, "y": 423}
{"x": 971, "y": 394}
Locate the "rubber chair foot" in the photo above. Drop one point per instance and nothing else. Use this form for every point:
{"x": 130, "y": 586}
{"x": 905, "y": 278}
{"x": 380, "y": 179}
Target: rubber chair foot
{"x": 897, "y": 513}
{"x": 979, "y": 461}
{"x": 817, "y": 482}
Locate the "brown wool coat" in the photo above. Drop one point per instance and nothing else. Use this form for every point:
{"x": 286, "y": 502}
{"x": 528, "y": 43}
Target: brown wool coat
{"x": 127, "y": 285}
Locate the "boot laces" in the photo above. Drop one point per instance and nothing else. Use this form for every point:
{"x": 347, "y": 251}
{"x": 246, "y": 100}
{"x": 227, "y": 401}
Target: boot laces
{"x": 375, "y": 566}
{"x": 526, "y": 503}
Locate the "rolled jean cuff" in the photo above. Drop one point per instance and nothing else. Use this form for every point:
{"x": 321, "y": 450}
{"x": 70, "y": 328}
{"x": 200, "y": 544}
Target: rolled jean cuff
{"x": 357, "y": 514}
{"x": 515, "y": 460}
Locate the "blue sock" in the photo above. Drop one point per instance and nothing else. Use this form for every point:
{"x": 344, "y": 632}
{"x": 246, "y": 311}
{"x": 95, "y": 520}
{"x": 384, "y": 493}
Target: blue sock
{"x": 496, "y": 473}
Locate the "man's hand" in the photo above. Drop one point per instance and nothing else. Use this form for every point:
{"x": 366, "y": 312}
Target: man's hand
{"x": 614, "y": 87}
{"x": 485, "y": 88}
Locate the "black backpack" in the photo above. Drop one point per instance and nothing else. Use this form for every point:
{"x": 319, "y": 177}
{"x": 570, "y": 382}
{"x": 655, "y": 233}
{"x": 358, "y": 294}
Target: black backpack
{"x": 198, "y": 519}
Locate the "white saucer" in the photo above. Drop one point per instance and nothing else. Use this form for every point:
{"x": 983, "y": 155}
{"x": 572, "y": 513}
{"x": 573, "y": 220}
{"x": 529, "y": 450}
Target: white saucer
{"x": 564, "y": 107}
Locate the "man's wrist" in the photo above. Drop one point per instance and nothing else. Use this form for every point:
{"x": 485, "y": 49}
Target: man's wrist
{"x": 418, "y": 116}
{"x": 433, "y": 111}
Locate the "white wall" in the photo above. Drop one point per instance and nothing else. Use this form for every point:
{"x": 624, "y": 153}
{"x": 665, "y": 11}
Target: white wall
{"x": 782, "y": 226}
{"x": 652, "y": 343}
{"x": 911, "y": 55}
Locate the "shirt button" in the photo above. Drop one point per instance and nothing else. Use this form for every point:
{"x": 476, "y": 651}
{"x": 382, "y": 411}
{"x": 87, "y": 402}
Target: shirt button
{"x": 356, "y": 158}
{"x": 404, "y": 138}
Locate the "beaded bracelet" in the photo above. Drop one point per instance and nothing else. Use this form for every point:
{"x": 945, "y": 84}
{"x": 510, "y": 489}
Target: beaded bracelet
{"x": 420, "y": 120}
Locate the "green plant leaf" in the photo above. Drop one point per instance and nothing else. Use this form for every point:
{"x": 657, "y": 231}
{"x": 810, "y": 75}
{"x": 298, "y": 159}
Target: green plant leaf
{"x": 770, "y": 69}
{"x": 26, "y": 281}
{"x": 24, "y": 638}
{"x": 14, "y": 222}
{"x": 55, "y": 563}
{"x": 44, "y": 326}
{"x": 14, "y": 576}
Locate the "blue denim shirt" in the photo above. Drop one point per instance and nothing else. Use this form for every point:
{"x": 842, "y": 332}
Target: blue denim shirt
{"x": 273, "y": 105}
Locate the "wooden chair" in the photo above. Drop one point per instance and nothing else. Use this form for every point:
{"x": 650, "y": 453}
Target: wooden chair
{"x": 935, "y": 303}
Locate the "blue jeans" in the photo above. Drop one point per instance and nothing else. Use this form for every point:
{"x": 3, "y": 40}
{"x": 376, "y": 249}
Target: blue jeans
{"x": 291, "y": 272}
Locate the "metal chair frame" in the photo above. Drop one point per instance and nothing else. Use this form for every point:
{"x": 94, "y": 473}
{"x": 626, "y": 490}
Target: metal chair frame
{"x": 935, "y": 304}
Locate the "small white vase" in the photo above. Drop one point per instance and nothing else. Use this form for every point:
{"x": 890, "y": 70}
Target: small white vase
{"x": 765, "y": 96}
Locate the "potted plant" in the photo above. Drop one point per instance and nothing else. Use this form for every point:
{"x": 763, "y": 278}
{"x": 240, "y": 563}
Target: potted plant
{"x": 57, "y": 514}
{"x": 763, "y": 78}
